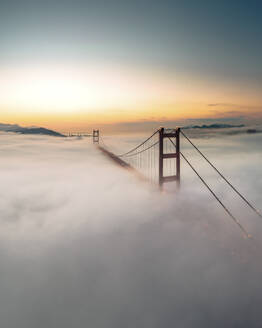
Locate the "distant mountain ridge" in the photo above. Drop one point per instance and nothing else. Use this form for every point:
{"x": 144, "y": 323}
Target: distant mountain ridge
{"x": 15, "y": 128}
{"x": 214, "y": 126}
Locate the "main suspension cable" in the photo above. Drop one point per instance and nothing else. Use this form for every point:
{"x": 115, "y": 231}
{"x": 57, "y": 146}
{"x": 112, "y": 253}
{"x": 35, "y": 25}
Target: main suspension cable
{"x": 143, "y": 150}
{"x": 222, "y": 176}
{"x": 135, "y": 148}
{"x": 246, "y": 234}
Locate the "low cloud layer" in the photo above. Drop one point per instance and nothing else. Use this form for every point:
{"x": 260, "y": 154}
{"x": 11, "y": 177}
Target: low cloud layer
{"x": 86, "y": 244}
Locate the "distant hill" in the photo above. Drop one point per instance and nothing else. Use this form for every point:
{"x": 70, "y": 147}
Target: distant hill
{"x": 214, "y": 126}
{"x": 28, "y": 130}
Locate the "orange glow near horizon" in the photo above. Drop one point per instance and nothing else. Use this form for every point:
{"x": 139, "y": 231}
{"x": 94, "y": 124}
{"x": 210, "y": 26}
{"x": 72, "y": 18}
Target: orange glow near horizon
{"x": 77, "y": 97}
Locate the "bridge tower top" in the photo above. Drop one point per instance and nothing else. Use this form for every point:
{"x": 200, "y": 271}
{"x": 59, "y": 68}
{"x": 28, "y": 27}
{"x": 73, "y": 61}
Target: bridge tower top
{"x": 96, "y": 136}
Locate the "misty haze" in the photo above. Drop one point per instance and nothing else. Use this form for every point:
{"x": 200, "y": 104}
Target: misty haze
{"x": 130, "y": 164}
{"x": 86, "y": 243}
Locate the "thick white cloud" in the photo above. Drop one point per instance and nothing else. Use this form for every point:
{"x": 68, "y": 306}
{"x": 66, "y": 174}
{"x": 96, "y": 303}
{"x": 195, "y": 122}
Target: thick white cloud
{"x": 85, "y": 244}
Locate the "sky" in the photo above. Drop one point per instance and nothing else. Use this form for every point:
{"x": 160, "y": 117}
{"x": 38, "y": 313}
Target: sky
{"x": 143, "y": 259}
{"x": 73, "y": 65}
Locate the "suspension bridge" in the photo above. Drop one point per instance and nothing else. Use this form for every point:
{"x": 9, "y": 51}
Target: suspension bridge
{"x": 157, "y": 159}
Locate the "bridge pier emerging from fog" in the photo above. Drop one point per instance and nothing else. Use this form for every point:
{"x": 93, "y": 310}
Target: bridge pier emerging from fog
{"x": 157, "y": 159}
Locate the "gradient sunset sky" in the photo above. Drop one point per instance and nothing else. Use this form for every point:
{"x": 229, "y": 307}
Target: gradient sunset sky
{"x": 70, "y": 65}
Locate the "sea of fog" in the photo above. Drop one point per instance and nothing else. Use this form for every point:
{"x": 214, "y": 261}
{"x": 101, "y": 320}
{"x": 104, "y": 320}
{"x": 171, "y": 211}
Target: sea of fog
{"x": 84, "y": 243}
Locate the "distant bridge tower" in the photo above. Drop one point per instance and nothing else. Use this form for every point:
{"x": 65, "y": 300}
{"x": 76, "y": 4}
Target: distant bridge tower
{"x": 96, "y": 136}
{"x": 174, "y": 134}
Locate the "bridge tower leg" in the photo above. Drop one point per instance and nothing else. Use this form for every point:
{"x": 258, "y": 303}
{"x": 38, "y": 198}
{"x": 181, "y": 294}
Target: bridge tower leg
{"x": 162, "y": 156}
{"x": 96, "y": 136}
